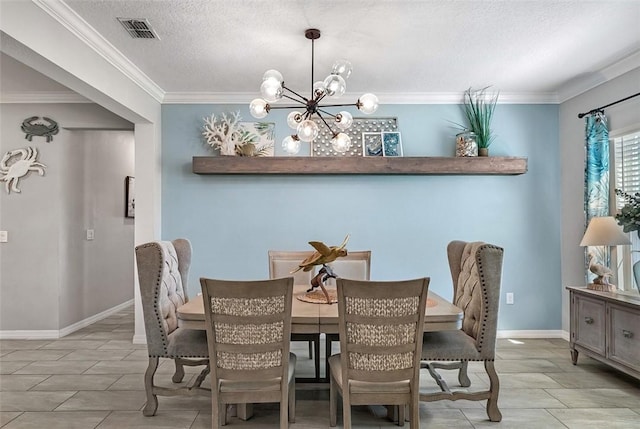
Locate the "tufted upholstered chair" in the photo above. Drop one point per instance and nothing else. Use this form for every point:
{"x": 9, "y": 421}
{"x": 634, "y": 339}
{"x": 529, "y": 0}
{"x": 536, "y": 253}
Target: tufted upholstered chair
{"x": 476, "y": 271}
{"x": 381, "y": 325}
{"x": 248, "y": 330}
{"x": 281, "y": 263}
{"x": 163, "y": 270}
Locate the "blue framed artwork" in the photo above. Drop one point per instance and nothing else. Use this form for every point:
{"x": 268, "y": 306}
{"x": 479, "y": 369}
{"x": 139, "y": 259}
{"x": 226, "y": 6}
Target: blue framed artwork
{"x": 372, "y": 144}
{"x": 391, "y": 143}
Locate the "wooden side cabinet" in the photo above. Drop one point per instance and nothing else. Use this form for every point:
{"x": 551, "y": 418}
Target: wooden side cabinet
{"x": 606, "y": 327}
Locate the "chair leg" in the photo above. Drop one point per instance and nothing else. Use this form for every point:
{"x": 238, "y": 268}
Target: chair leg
{"x": 151, "y": 406}
{"x": 216, "y": 414}
{"x": 414, "y": 411}
{"x": 463, "y": 378}
{"x": 494, "y": 388}
{"x": 179, "y": 374}
{"x": 284, "y": 409}
{"x": 346, "y": 410}
{"x": 333, "y": 401}
{"x": 292, "y": 401}
{"x": 401, "y": 414}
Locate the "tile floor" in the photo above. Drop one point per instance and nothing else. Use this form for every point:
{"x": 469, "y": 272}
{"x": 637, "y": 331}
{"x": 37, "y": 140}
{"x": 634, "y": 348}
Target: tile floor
{"x": 93, "y": 378}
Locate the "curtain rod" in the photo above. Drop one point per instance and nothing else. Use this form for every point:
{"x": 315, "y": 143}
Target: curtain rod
{"x": 592, "y": 111}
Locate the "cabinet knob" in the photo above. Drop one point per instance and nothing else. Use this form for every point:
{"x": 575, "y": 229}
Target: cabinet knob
{"x": 588, "y": 320}
{"x": 627, "y": 334}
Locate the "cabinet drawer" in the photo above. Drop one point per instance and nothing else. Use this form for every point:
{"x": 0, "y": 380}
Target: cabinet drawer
{"x": 589, "y": 323}
{"x": 624, "y": 334}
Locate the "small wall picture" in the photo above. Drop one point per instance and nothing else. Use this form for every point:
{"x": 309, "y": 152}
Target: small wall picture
{"x": 130, "y": 208}
{"x": 391, "y": 143}
{"x": 372, "y": 144}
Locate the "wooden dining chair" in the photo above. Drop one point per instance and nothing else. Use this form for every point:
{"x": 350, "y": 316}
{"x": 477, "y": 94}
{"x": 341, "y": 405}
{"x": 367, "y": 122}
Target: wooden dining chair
{"x": 476, "y": 271}
{"x": 248, "y": 327}
{"x": 163, "y": 272}
{"x": 381, "y": 325}
{"x": 355, "y": 265}
{"x": 281, "y": 264}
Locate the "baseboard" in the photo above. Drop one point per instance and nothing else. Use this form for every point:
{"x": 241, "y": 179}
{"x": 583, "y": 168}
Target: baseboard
{"x": 140, "y": 339}
{"x": 54, "y": 334}
{"x": 49, "y": 334}
{"x": 533, "y": 334}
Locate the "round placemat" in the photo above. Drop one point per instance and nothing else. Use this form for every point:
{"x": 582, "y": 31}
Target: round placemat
{"x": 317, "y": 297}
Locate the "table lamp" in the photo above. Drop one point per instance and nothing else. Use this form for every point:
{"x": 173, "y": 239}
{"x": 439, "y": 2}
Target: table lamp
{"x": 603, "y": 231}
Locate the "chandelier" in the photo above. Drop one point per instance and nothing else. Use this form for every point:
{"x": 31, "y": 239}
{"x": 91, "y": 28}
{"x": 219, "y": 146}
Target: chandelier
{"x": 273, "y": 89}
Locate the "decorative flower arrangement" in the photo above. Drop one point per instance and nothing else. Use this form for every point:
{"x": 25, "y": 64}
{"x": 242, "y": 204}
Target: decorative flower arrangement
{"x": 629, "y": 216}
{"x": 233, "y": 137}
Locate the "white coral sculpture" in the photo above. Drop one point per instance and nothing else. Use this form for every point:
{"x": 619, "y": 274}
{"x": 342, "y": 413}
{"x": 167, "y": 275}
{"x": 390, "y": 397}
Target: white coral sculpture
{"x": 224, "y": 134}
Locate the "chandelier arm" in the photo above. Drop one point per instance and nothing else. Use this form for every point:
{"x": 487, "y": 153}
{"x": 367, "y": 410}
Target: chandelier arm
{"x": 339, "y": 105}
{"x": 282, "y": 107}
{"x": 325, "y": 122}
{"x": 294, "y": 99}
{"x": 326, "y": 113}
{"x": 306, "y": 100}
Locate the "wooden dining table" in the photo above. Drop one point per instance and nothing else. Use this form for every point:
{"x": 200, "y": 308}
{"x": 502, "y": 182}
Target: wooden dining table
{"x": 311, "y": 318}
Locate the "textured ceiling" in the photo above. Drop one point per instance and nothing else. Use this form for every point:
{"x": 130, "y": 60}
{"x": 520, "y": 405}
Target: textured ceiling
{"x": 395, "y": 46}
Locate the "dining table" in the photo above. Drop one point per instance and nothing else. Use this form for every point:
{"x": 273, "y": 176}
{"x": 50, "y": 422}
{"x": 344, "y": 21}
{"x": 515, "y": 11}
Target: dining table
{"x": 309, "y": 317}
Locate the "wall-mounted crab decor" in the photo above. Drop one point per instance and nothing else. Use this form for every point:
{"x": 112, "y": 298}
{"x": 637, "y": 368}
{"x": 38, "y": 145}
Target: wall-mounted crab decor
{"x": 31, "y": 127}
{"x": 24, "y": 161}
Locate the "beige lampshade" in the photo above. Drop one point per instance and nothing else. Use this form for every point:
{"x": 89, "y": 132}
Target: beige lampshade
{"x": 604, "y": 231}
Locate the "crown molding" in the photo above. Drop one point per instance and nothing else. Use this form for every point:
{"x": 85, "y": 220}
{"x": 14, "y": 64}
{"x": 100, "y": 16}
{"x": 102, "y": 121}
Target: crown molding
{"x": 385, "y": 98}
{"x": 42, "y": 97}
{"x": 73, "y": 22}
{"x": 592, "y": 80}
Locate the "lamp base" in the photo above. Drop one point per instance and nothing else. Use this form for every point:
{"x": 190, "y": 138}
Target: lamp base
{"x": 602, "y": 287}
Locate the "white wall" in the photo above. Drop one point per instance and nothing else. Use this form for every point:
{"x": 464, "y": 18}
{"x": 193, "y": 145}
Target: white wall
{"x": 50, "y": 276}
{"x": 99, "y": 273}
{"x": 620, "y": 116}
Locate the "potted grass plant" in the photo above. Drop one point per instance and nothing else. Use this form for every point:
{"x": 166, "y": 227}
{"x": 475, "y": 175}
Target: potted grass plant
{"x": 478, "y": 108}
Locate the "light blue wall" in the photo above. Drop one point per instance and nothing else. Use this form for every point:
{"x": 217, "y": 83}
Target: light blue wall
{"x": 406, "y": 221}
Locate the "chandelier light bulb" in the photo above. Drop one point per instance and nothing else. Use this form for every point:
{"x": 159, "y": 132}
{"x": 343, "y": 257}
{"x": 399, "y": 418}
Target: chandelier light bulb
{"x": 293, "y": 119}
{"x": 307, "y": 130}
{"x": 259, "y": 108}
{"x": 272, "y": 75}
{"x": 318, "y": 89}
{"x": 341, "y": 143}
{"x": 368, "y": 103}
{"x": 271, "y": 90}
{"x": 344, "y": 120}
{"x": 335, "y": 85}
{"x": 343, "y": 68}
{"x": 291, "y": 145}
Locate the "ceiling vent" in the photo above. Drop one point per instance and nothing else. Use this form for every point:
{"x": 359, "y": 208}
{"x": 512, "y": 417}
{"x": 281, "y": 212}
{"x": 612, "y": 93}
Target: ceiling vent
{"x": 138, "y": 28}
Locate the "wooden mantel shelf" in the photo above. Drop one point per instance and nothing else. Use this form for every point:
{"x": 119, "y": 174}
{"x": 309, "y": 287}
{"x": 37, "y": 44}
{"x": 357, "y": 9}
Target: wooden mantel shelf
{"x": 491, "y": 165}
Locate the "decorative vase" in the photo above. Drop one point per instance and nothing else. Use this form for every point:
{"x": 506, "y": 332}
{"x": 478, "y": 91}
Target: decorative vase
{"x": 483, "y": 151}
{"x": 466, "y": 144}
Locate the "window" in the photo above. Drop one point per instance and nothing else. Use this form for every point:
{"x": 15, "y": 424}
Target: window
{"x": 626, "y": 169}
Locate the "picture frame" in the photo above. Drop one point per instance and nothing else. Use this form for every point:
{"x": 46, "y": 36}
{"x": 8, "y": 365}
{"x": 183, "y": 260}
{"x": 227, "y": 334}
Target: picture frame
{"x": 391, "y": 143}
{"x": 130, "y": 199}
{"x": 258, "y": 137}
{"x": 372, "y": 144}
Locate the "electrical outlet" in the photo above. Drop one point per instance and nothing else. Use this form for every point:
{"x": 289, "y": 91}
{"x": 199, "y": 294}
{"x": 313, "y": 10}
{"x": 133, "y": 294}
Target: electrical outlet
{"x": 90, "y": 234}
{"x": 510, "y": 298}
{"x": 4, "y": 236}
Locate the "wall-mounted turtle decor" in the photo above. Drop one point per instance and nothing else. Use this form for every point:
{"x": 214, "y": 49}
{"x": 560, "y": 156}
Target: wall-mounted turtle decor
{"x": 16, "y": 164}
{"x": 31, "y": 127}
